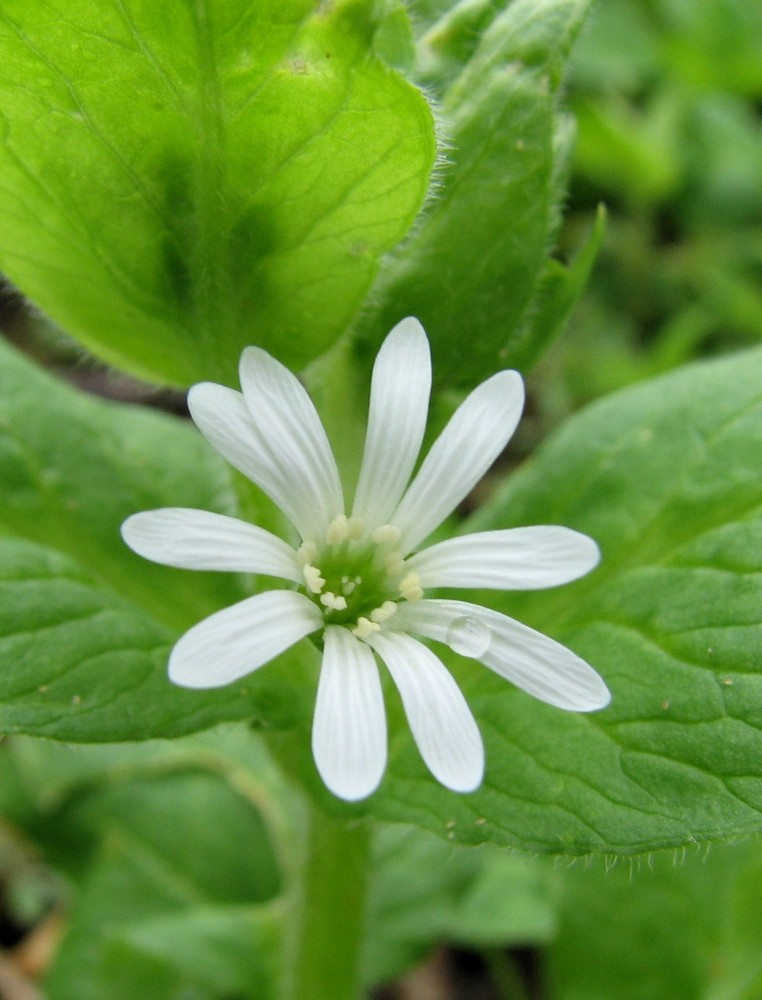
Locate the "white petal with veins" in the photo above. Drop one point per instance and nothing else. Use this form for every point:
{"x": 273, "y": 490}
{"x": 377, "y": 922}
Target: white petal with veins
{"x": 475, "y": 435}
{"x": 441, "y": 721}
{"x": 399, "y": 402}
{"x": 514, "y": 559}
{"x": 349, "y": 726}
{"x": 239, "y": 639}
{"x": 532, "y": 661}
{"x": 224, "y": 419}
{"x": 199, "y": 539}
{"x": 289, "y": 424}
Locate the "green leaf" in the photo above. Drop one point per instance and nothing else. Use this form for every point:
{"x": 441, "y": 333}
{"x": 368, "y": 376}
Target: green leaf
{"x": 232, "y": 179}
{"x": 473, "y": 265}
{"x": 186, "y": 916}
{"x": 169, "y": 853}
{"x": 665, "y": 476}
{"x": 559, "y": 290}
{"x": 669, "y": 928}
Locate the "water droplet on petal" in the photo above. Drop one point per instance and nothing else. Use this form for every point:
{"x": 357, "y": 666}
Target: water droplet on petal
{"x": 469, "y": 637}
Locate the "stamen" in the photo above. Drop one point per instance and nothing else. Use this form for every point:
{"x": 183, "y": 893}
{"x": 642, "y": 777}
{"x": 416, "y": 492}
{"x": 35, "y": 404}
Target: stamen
{"x": 333, "y": 602}
{"x": 355, "y": 528}
{"x": 365, "y": 628}
{"x": 338, "y": 530}
{"x": 386, "y": 534}
{"x": 347, "y": 585}
{"x": 394, "y": 563}
{"x": 306, "y": 552}
{"x": 410, "y": 587}
{"x": 382, "y": 614}
{"x": 313, "y": 579}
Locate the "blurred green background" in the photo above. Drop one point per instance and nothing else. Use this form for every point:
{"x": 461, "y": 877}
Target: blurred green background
{"x": 667, "y": 97}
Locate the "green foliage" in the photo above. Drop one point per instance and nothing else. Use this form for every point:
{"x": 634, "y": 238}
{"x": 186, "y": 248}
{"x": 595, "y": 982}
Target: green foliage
{"x": 164, "y": 898}
{"x": 73, "y": 467}
{"x": 478, "y": 256}
{"x": 155, "y": 910}
{"x": 232, "y": 179}
{"x": 665, "y": 477}
{"x": 666, "y": 97}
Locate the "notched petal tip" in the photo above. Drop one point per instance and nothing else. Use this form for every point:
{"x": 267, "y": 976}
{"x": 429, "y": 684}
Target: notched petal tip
{"x": 256, "y": 363}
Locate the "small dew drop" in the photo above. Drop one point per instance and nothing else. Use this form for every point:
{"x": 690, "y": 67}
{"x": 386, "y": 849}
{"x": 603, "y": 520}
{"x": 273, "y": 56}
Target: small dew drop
{"x": 469, "y": 637}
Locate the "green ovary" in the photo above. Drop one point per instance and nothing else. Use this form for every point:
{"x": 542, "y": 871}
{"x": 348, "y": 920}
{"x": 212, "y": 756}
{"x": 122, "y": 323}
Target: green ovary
{"x": 358, "y": 582}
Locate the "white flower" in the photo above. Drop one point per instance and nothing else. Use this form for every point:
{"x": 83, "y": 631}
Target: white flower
{"x": 357, "y": 578}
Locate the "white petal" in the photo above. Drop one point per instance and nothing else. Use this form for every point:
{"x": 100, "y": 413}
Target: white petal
{"x": 289, "y": 423}
{"x": 399, "y": 402}
{"x": 223, "y": 418}
{"x": 440, "y": 719}
{"x": 475, "y": 435}
{"x": 234, "y": 642}
{"x": 515, "y": 559}
{"x": 349, "y": 727}
{"x": 530, "y": 660}
{"x": 199, "y": 539}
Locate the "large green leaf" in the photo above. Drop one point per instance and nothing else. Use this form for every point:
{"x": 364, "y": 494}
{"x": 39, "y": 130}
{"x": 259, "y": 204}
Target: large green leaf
{"x": 178, "y": 181}
{"x": 666, "y": 477}
{"x": 472, "y": 267}
{"x": 186, "y": 917}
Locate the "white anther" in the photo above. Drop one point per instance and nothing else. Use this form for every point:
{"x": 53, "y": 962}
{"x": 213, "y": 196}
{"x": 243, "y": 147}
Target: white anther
{"x": 355, "y": 528}
{"x": 410, "y": 587}
{"x": 394, "y": 563}
{"x": 347, "y": 585}
{"x": 382, "y": 614}
{"x": 306, "y": 553}
{"x": 365, "y": 628}
{"x": 313, "y": 579}
{"x": 386, "y": 534}
{"x": 338, "y": 530}
{"x": 333, "y": 602}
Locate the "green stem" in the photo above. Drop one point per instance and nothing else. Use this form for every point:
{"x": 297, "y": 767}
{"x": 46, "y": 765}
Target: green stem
{"x": 328, "y": 915}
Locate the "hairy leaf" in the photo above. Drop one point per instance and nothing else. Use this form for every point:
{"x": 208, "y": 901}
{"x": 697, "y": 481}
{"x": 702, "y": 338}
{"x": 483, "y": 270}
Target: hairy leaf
{"x": 479, "y": 255}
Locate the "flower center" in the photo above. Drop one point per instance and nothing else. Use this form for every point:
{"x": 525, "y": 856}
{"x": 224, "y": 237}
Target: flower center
{"x": 358, "y": 578}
